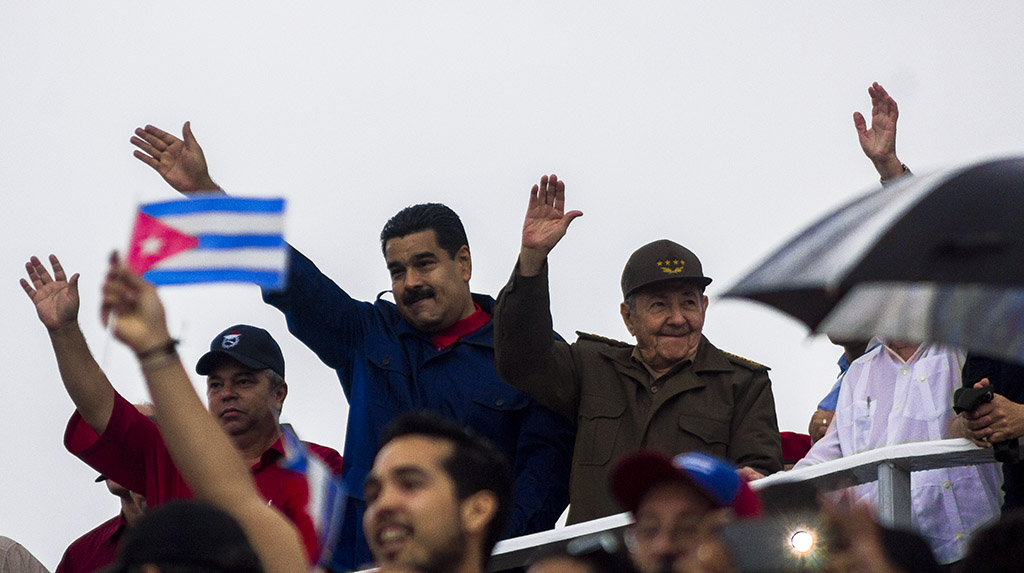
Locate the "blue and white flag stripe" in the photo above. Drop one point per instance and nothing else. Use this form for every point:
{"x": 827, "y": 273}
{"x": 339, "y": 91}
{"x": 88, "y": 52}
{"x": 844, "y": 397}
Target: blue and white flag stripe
{"x": 265, "y": 279}
{"x": 218, "y": 204}
{"x": 244, "y": 258}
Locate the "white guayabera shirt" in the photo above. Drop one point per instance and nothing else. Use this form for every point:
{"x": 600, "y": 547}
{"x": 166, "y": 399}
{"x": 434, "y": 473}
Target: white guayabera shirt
{"x": 885, "y": 401}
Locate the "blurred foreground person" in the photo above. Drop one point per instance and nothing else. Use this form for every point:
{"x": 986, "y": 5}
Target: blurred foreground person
{"x": 208, "y": 460}
{"x": 598, "y": 553}
{"x": 187, "y": 537}
{"x": 14, "y": 558}
{"x": 245, "y": 390}
{"x": 672, "y": 501}
{"x": 673, "y": 391}
{"x": 437, "y": 498}
{"x": 430, "y": 349}
{"x": 998, "y": 548}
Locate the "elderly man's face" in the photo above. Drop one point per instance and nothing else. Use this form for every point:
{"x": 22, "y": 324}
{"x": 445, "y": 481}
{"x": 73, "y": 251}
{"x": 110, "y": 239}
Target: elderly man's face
{"x": 667, "y": 320}
{"x": 666, "y": 526}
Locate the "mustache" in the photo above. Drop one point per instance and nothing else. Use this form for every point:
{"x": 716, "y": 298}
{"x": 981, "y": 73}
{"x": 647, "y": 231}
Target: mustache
{"x": 417, "y": 294}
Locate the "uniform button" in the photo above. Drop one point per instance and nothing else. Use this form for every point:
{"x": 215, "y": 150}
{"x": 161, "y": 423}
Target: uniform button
{"x": 386, "y": 361}
{"x": 946, "y": 484}
{"x": 922, "y": 378}
{"x": 654, "y": 389}
{"x": 499, "y": 402}
{"x": 897, "y": 405}
{"x": 904, "y": 371}
{"x": 959, "y": 535}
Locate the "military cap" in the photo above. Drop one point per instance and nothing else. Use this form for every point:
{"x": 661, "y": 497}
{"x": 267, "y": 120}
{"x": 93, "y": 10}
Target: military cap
{"x": 662, "y": 260}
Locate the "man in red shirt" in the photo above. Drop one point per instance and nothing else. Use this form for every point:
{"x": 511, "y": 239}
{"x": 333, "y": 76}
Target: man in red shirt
{"x": 245, "y": 391}
{"x": 97, "y": 548}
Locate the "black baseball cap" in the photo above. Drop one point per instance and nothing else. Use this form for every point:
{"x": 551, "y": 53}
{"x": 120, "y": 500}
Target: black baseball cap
{"x": 660, "y": 261}
{"x": 250, "y": 345}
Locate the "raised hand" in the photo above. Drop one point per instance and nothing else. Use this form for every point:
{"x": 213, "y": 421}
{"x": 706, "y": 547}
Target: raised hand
{"x": 546, "y": 223}
{"x": 56, "y": 298}
{"x": 139, "y": 315}
{"x": 879, "y": 141}
{"x": 180, "y": 162}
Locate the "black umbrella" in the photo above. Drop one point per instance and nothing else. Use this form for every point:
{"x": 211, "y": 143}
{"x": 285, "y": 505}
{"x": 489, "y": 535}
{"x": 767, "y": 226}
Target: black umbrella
{"x": 935, "y": 258}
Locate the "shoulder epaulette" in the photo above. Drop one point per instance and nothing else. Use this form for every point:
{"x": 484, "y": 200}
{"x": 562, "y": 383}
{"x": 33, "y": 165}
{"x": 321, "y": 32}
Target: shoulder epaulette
{"x": 601, "y": 339}
{"x": 745, "y": 362}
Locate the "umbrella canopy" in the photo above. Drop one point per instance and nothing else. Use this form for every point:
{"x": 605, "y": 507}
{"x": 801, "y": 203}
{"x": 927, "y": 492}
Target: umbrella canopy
{"x": 935, "y": 258}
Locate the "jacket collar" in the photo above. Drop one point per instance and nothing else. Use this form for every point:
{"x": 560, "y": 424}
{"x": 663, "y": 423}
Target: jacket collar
{"x": 403, "y": 328}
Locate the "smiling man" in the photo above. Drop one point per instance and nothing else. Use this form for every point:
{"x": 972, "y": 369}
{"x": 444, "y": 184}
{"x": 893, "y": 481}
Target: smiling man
{"x": 437, "y": 497}
{"x": 245, "y": 387}
{"x": 672, "y": 391}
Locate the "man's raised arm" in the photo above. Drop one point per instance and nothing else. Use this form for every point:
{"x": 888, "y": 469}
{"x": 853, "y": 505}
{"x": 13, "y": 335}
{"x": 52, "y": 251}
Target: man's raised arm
{"x": 56, "y": 301}
{"x": 545, "y": 224}
{"x": 179, "y": 161}
{"x": 879, "y": 141}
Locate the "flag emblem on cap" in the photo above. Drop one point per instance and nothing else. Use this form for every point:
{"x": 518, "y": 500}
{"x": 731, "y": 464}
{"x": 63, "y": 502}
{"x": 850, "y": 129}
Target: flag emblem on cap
{"x": 672, "y": 266}
{"x": 210, "y": 239}
{"x": 231, "y": 340}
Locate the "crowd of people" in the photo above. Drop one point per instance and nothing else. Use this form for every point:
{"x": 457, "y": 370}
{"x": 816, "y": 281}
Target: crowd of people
{"x": 472, "y": 421}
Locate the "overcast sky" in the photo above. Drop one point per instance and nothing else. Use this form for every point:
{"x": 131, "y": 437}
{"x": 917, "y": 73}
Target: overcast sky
{"x": 723, "y": 126}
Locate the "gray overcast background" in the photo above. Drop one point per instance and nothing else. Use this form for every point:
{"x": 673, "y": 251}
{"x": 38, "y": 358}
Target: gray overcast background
{"x": 723, "y": 126}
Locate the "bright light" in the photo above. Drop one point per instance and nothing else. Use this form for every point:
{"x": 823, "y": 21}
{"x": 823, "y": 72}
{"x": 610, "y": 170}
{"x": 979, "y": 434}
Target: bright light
{"x": 802, "y": 541}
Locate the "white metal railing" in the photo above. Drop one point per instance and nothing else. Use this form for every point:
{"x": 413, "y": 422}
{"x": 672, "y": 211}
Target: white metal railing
{"x": 891, "y": 466}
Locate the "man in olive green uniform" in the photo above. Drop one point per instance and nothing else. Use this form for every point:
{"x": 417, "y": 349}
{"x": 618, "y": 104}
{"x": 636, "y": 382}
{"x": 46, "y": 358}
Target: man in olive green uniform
{"x": 672, "y": 391}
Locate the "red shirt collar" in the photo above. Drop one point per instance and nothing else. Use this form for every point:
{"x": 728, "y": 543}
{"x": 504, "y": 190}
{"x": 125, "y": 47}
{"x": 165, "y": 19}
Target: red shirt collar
{"x": 461, "y": 329}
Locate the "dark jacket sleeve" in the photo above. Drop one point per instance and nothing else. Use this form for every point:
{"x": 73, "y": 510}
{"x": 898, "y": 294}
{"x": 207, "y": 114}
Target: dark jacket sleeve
{"x": 526, "y": 353}
{"x": 320, "y": 314}
{"x": 541, "y": 472}
{"x": 755, "y": 430}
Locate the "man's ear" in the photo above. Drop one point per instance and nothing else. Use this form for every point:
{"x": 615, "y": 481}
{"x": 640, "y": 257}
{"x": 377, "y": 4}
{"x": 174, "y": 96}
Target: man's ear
{"x": 280, "y": 393}
{"x": 627, "y": 317}
{"x": 478, "y": 510}
{"x": 705, "y": 301}
{"x": 465, "y": 261}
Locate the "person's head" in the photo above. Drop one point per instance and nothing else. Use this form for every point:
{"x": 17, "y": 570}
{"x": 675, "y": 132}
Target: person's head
{"x": 669, "y": 497}
{"x": 186, "y": 536}
{"x": 663, "y": 302}
{"x": 427, "y": 256}
{"x": 997, "y": 547}
{"x": 245, "y": 385}
{"x": 133, "y": 505}
{"x": 437, "y": 497}
{"x": 598, "y": 553}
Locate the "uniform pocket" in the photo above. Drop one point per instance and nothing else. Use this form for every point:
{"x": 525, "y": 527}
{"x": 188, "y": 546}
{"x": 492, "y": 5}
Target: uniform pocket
{"x": 599, "y": 422}
{"x": 712, "y": 435}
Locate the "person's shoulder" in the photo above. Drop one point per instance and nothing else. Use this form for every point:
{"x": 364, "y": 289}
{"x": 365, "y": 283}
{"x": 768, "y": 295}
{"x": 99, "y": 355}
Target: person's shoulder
{"x": 744, "y": 362}
{"x": 596, "y": 339}
{"x": 735, "y": 359}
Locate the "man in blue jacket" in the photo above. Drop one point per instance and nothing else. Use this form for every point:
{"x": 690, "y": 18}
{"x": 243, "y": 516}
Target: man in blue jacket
{"x": 431, "y": 349}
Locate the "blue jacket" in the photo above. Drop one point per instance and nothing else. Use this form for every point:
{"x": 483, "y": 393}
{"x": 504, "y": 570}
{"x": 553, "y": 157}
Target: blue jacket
{"x": 387, "y": 367}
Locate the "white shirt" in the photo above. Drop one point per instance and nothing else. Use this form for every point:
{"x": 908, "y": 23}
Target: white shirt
{"x": 885, "y": 401}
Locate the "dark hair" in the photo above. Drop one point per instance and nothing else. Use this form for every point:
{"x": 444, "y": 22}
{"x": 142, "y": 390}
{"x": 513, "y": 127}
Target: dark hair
{"x": 997, "y": 547}
{"x": 427, "y": 217}
{"x": 475, "y": 464}
{"x": 187, "y": 536}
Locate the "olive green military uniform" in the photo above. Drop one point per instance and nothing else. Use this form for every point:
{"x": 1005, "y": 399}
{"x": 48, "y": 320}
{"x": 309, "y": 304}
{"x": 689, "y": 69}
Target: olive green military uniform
{"x": 716, "y": 403}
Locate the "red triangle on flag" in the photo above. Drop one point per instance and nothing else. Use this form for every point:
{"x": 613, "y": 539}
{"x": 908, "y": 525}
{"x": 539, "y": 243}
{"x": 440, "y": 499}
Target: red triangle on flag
{"x": 153, "y": 241}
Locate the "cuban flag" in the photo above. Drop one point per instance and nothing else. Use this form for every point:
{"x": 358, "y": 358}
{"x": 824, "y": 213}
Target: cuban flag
{"x": 326, "y": 503}
{"x": 210, "y": 239}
